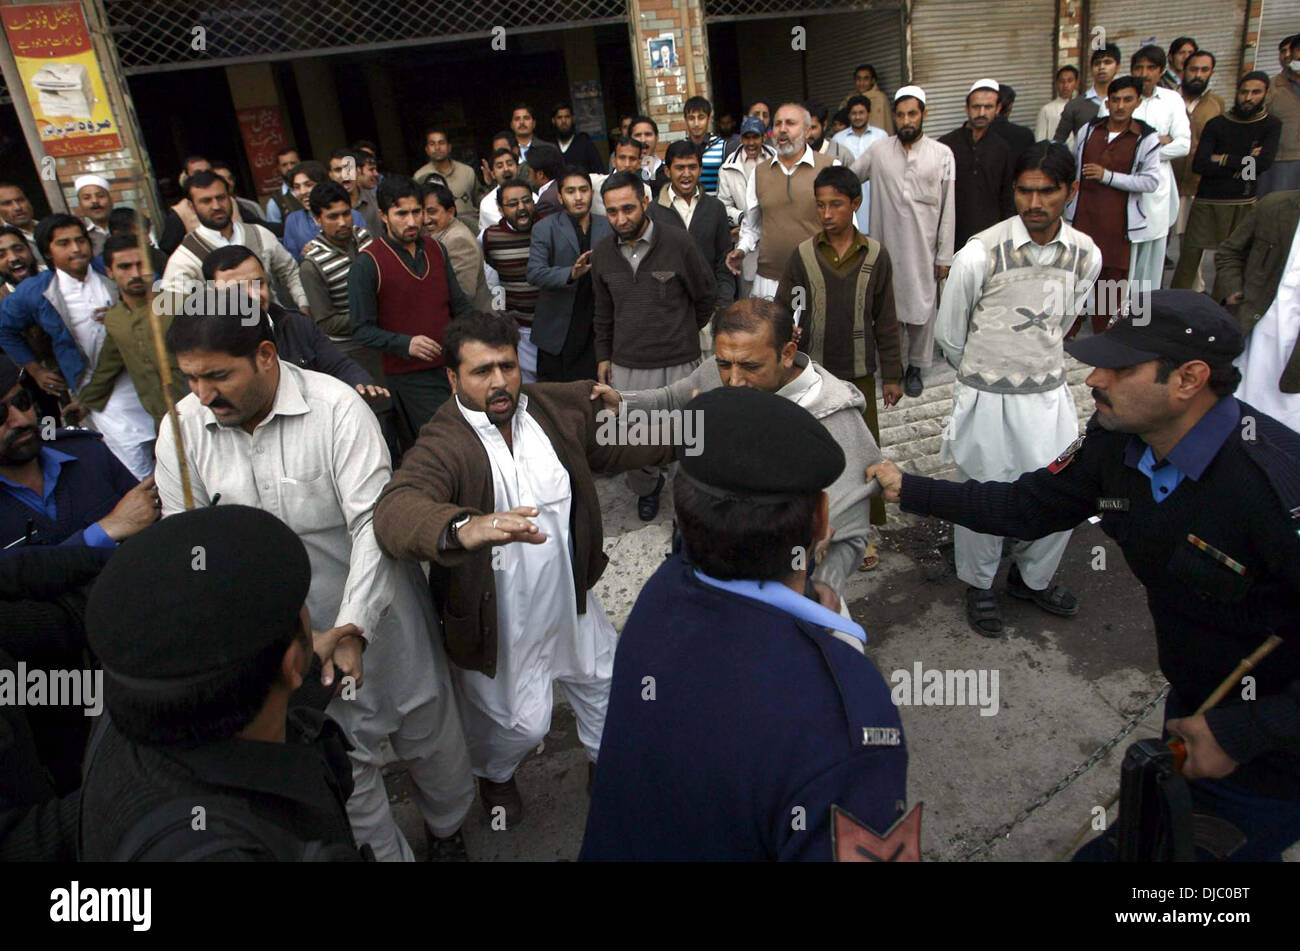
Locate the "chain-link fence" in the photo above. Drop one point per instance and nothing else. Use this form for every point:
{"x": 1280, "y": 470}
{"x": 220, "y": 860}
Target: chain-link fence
{"x": 735, "y": 9}
{"x": 157, "y": 34}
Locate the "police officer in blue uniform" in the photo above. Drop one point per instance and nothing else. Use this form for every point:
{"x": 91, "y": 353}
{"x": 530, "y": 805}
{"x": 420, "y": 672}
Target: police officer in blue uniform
{"x": 70, "y": 490}
{"x": 1202, "y": 494}
{"x": 743, "y": 715}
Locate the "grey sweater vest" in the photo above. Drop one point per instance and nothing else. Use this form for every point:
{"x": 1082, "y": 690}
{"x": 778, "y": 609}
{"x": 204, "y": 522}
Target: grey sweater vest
{"x": 1013, "y": 344}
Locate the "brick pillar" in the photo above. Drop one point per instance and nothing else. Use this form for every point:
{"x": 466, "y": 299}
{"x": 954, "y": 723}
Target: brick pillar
{"x": 1070, "y": 41}
{"x": 1250, "y": 39}
{"x": 663, "y": 91}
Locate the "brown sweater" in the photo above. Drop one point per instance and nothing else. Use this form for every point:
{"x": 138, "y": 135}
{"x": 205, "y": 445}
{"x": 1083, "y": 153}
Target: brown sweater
{"x": 789, "y": 211}
{"x": 446, "y": 474}
{"x": 652, "y": 318}
{"x": 879, "y": 320}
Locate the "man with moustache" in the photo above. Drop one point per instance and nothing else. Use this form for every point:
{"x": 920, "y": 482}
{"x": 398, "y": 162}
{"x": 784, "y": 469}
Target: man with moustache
{"x": 497, "y": 495}
{"x": 983, "y": 164}
{"x": 756, "y": 348}
{"x": 1198, "y": 489}
{"x": 914, "y": 209}
{"x": 456, "y": 176}
{"x": 504, "y": 168}
{"x": 1284, "y": 104}
{"x": 1014, "y": 291}
{"x": 559, "y": 266}
{"x": 654, "y": 294}
{"x": 283, "y": 203}
{"x": 69, "y": 490}
{"x": 505, "y": 256}
{"x": 442, "y": 224}
{"x": 262, "y": 432}
{"x": 16, "y": 212}
{"x": 402, "y": 294}
{"x": 209, "y": 195}
{"x": 733, "y": 184}
{"x": 129, "y": 343}
{"x": 94, "y": 204}
{"x": 683, "y": 204}
{"x": 1118, "y": 160}
{"x": 1233, "y": 149}
{"x": 524, "y": 124}
{"x": 17, "y": 260}
{"x": 780, "y": 210}
{"x": 1202, "y": 106}
{"x": 865, "y": 84}
{"x": 68, "y": 302}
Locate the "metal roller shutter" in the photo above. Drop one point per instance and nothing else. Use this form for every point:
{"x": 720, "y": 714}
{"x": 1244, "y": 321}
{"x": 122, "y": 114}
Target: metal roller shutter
{"x": 838, "y": 43}
{"x": 768, "y": 66}
{"x": 955, "y": 42}
{"x": 1279, "y": 19}
{"x": 1217, "y": 26}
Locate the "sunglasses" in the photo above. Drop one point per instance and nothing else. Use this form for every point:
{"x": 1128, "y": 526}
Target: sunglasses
{"x": 21, "y": 401}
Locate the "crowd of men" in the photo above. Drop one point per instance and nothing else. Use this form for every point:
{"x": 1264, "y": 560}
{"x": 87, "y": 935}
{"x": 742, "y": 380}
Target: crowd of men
{"x": 373, "y": 520}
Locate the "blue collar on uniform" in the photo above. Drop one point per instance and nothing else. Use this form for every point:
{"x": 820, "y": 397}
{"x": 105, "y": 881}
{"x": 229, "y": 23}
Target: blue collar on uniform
{"x": 782, "y": 597}
{"x": 51, "y": 465}
{"x": 1192, "y": 454}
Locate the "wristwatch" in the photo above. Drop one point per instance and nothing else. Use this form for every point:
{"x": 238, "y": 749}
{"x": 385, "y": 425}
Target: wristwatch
{"x": 453, "y": 530}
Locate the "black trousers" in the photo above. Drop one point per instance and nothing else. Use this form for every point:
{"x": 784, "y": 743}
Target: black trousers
{"x": 577, "y": 358}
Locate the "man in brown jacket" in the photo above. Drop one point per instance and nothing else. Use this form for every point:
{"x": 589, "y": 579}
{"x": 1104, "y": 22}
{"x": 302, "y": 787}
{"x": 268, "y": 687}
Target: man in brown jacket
{"x": 1249, "y": 267}
{"x": 502, "y": 463}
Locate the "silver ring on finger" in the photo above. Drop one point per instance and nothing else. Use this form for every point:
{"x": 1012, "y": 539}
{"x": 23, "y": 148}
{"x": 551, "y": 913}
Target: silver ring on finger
{"x": 494, "y": 522}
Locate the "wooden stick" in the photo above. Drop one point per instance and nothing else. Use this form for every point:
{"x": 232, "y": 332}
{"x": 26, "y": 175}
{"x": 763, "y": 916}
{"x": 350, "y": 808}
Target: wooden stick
{"x": 160, "y": 354}
{"x": 1176, "y": 745}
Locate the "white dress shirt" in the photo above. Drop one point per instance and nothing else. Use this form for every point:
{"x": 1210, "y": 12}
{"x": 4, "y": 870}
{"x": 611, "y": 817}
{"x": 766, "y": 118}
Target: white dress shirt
{"x": 124, "y": 422}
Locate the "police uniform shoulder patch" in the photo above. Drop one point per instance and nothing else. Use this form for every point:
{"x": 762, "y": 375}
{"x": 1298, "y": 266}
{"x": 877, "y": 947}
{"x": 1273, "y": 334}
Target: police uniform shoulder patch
{"x": 1063, "y": 460}
{"x": 852, "y": 840}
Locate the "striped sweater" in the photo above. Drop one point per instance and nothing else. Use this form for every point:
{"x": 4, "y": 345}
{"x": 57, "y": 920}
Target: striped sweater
{"x": 505, "y": 250}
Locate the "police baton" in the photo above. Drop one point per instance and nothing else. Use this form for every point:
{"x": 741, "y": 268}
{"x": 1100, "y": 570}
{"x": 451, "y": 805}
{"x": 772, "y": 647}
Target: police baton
{"x": 1176, "y": 744}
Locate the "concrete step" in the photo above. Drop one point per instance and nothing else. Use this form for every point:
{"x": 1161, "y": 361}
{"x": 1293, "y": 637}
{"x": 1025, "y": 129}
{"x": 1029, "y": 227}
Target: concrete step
{"x": 911, "y": 432}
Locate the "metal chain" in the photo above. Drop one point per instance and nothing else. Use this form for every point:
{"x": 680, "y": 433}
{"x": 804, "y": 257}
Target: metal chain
{"x": 1005, "y": 831}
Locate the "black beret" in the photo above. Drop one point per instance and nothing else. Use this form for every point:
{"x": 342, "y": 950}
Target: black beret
{"x": 1181, "y": 325}
{"x": 8, "y": 375}
{"x": 195, "y": 595}
{"x": 758, "y": 446}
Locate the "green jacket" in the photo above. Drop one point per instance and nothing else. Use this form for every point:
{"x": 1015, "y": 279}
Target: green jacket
{"x": 1251, "y": 262}
{"x": 129, "y": 346}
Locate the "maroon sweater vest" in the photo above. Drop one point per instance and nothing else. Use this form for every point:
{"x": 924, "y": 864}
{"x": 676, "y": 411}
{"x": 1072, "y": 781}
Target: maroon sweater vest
{"x": 409, "y": 304}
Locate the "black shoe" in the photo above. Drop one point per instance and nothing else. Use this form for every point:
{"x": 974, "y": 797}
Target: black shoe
{"x": 912, "y": 385}
{"x": 449, "y": 849}
{"x": 983, "y": 613}
{"x": 1055, "y": 599}
{"x": 505, "y": 795}
{"x": 647, "y": 506}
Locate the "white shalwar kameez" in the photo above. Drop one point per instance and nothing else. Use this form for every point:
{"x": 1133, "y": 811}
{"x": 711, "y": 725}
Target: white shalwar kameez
{"x": 998, "y": 437}
{"x": 543, "y": 639}
{"x": 1269, "y": 348}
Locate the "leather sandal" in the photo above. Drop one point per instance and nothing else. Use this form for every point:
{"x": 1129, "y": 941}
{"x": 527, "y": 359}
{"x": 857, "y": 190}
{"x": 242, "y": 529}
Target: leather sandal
{"x": 870, "y": 558}
{"x": 1055, "y": 599}
{"x": 983, "y": 613}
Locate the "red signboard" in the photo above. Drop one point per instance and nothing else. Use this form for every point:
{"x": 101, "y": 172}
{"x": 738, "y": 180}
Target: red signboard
{"x": 61, "y": 78}
{"x": 263, "y": 137}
